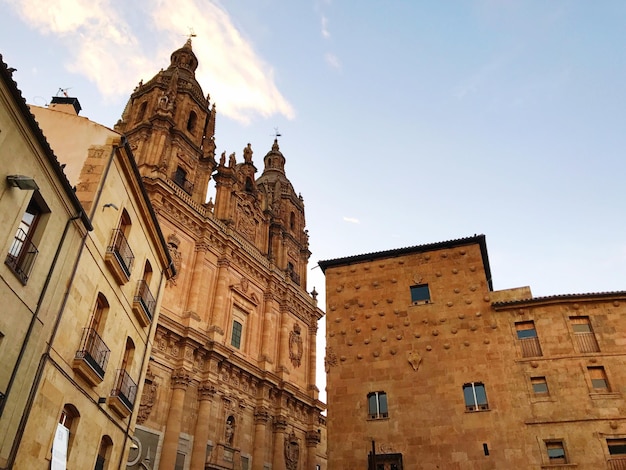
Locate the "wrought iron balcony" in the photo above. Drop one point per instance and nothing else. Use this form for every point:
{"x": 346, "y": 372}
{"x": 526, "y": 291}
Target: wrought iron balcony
{"x": 531, "y": 347}
{"x": 587, "y": 342}
{"x": 123, "y": 396}
{"x": 119, "y": 256}
{"x": 21, "y": 256}
{"x": 92, "y": 357}
{"x": 144, "y": 304}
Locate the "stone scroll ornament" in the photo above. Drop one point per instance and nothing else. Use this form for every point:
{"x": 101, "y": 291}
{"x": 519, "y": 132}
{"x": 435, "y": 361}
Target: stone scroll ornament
{"x": 292, "y": 452}
{"x": 295, "y": 346}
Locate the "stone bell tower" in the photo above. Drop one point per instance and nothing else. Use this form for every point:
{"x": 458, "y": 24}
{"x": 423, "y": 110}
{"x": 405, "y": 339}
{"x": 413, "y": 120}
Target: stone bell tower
{"x": 170, "y": 126}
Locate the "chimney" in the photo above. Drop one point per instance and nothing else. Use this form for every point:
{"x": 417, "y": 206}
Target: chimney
{"x": 65, "y": 104}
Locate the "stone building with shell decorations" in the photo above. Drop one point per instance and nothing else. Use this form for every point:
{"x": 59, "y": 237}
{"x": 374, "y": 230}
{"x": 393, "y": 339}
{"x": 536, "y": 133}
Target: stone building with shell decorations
{"x": 231, "y": 380}
{"x": 428, "y": 367}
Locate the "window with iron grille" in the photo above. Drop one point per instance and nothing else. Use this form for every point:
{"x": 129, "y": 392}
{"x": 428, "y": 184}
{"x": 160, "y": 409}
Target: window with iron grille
{"x": 527, "y": 336}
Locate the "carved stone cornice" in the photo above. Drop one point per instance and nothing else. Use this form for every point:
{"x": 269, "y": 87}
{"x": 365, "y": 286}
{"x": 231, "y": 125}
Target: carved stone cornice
{"x": 180, "y": 379}
{"x": 223, "y": 263}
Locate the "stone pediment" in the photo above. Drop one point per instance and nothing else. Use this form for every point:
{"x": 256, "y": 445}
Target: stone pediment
{"x": 242, "y": 288}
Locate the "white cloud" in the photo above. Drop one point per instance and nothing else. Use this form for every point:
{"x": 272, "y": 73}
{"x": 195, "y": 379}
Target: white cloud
{"x": 325, "y": 31}
{"x": 352, "y": 220}
{"x": 332, "y": 60}
{"x": 104, "y": 47}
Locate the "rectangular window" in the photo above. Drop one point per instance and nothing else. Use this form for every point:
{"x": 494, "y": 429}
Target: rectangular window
{"x": 180, "y": 461}
{"x": 377, "y": 405}
{"x": 245, "y": 463}
{"x": 599, "y": 382}
{"x": 617, "y": 446}
{"x": 540, "y": 386}
{"x": 527, "y": 335}
{"x": 556, "y": 452}
{"x": 420, "y": 294}
{"x": 235, "y": 339}
{"x": 584, "y": 335}
{"x": 23, "y": 250}
{"x": 475, "y": 397}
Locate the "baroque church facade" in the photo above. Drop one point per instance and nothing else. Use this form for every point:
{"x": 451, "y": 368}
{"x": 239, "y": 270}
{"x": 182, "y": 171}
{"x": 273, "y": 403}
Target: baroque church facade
{"x": 231, "y": 380}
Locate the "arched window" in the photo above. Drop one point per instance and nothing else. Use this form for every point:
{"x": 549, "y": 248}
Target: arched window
{"x": 104, "y": 453}
{"x": 249, "y": 186}
{"x": 142, "y": 111}
{"x": 123, "y": 255}
{"x": 191, "y": 122}
{"x": 69, "y": 420}
{"x": 292, "y": 221}
{"x": 129, "y": 352}
{"x": 93, "y": 350}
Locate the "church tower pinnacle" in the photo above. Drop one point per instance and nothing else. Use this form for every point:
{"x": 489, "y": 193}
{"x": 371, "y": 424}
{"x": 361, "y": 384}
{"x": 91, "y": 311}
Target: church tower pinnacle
{"x": 170, "y": 126}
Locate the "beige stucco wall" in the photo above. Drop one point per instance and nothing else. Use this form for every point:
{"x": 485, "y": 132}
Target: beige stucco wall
{"x": 62, "y": 384}
{"x": 23, "y": 304}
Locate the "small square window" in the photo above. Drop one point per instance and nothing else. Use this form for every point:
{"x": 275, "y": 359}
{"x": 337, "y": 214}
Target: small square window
{"x": 599, "y": 382}
{"x": 556, "y": 452}
{"x": 475, "y": 397}
{"x": 420, "y": 294}
{"x": 540, "y": 386}
{"x": 616, "y": 446}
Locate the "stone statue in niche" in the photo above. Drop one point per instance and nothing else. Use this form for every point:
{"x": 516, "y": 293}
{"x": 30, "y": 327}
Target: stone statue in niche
{"x": 229, "y": 432}
{"x": 295, "y": 346}
{"x": 172, "y": 245}
{"x": 415, "y": 359}
{"x": 292, "y": 452}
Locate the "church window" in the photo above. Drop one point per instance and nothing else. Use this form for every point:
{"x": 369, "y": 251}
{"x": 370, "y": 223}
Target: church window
{"x": 249, "y": 186}
{"x": 475, "y": 397}
{"x": 191, "y": 122}
{"x": 236, "y": 336}
{"x": 377, "y": 405}
{"x": 420, "y": 294}
{"x": 292, "y": 221}
{"x": 142, "y": 111}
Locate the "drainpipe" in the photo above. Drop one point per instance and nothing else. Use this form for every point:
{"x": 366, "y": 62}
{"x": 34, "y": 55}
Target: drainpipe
{"x": 142, "y": 376}
{"x": 35, "y": 315}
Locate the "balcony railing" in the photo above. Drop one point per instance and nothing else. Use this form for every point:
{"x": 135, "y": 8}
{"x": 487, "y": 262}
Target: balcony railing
{"x": 93, "y": 351}
{"x": 121, "y": 250}
{"x": 531, "y": 347}
{"x": 587, "y": 342}
{"x": 125, "y": 389}
{"x": 183, "y": 183}
{"x": 145, "y": 297}
{"x": 21, "y": 256}
{"x": 617, "y": 463}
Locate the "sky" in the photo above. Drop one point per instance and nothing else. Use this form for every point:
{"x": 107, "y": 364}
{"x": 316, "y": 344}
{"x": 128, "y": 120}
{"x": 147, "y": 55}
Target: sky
{"x": 403, "y": 122}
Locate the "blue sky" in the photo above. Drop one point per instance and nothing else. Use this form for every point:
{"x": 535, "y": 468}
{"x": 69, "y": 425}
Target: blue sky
{"x": 403, "y": 122}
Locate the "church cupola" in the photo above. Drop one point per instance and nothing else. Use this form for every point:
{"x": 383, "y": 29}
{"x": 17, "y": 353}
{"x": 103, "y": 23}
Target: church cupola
{"x": 184, "y": 58}
{"x": 170, "y": 125}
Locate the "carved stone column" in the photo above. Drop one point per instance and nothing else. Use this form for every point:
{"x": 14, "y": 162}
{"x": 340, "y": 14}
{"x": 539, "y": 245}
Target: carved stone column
{"x": 194, "y": 303}
{"x": 261, "y": 418}
{"x": 312, "y": 440}
{"x": 268, "y": 338}
{"x": 312, "y": 359}
{"x": 201, "y": 435}
{"x": 278, "y": 457}
{"x": 180, "y": 380}
{"x": 221, "y": 292}
{"x": 283, "y": 354}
